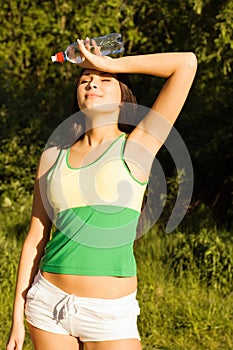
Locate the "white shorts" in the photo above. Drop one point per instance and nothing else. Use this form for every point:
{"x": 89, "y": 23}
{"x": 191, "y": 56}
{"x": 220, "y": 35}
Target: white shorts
{"x": 90, "y": 319}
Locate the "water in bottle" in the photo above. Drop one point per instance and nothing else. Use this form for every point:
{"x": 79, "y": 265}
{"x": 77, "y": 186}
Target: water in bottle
{"x": 108, "y": 44}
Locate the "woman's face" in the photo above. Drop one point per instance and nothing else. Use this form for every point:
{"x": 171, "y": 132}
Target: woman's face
{"x": 97, "y": 88}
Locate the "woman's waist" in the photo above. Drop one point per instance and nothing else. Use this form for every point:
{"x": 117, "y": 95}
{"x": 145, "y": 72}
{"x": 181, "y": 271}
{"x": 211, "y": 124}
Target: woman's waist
{"x": 104, "y": 287}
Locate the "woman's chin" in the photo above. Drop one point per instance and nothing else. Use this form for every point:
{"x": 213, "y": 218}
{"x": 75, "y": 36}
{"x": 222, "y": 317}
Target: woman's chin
{"x": 96, "y": 109}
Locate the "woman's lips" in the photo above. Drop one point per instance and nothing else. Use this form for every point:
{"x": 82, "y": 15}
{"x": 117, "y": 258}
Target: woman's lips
{"x": 90, "y": 95}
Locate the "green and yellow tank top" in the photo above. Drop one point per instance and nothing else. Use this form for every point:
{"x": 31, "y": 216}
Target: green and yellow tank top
{"x": 96, "y": 212}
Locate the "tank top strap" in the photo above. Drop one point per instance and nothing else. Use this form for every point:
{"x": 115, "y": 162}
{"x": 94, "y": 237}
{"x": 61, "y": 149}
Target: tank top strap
{"x": 115, "y": 149}
{"x": 61, "y": 157}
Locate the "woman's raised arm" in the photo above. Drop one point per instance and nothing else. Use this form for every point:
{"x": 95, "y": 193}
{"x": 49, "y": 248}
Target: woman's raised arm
{"x": 178, "y": 68}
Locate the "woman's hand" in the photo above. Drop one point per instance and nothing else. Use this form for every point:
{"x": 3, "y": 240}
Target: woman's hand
{"x": 16, "y": 338}
{"x": 92, "y": 60}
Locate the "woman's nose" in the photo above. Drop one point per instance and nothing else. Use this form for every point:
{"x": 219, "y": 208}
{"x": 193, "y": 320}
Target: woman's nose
{"x": 93, "y": 84}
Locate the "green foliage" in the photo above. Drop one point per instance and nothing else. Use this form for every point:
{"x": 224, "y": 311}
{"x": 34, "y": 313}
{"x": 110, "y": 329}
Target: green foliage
{"x": 182, "y": 305}
{"x": 183, "y": 274}
{"x": 35, "y": 95}
{"x": 10, "y": 246}
{"x": 208, "y": 254}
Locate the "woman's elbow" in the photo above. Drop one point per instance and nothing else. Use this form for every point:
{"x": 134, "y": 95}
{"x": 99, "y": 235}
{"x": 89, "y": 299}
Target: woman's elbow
{"x": 191, "y": 60}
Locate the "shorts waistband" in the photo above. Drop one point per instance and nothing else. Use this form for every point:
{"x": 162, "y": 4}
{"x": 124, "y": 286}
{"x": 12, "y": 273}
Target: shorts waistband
{"x": 39, "y": 278}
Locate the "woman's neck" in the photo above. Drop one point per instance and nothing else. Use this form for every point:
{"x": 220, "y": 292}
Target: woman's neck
{"x": 95, "y": 136}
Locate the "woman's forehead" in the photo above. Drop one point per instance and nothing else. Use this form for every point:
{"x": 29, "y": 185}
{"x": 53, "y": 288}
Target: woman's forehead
{"x": 97, "y": 72}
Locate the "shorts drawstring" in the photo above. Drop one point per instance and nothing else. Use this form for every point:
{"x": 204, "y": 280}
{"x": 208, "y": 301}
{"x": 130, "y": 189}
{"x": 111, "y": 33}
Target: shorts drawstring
{"x": 66, "y": 307}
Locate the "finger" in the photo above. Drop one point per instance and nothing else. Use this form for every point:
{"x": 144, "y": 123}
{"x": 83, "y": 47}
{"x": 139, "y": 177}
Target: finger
{"x": 87, "y": 44}
{"x": 81, "y": 48}
{"x": 96, "y": 48}
{"x": 80, "y": 43}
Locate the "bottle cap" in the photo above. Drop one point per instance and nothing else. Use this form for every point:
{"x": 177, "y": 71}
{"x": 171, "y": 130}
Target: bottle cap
{"x": 53, "y": 58}
{"x": 59, "y": 57}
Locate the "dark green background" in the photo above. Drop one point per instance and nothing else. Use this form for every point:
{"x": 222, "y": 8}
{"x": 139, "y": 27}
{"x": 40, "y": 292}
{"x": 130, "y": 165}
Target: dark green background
{"x": 36, "y": 95}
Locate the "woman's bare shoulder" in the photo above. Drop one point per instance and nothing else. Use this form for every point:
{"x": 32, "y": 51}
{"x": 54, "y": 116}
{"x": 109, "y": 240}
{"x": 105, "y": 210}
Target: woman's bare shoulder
{"x": 47, "y": 160}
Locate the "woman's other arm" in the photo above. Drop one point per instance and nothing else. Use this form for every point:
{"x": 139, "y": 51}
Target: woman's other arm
{"x": 32, "y": 250}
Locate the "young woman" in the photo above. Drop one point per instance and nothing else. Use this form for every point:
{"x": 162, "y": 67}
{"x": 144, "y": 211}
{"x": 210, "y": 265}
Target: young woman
{"x": 85, "y": 282}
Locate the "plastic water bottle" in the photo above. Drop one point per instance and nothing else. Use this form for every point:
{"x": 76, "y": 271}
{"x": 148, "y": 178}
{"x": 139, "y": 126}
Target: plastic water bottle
{"x": 108, "y": 44}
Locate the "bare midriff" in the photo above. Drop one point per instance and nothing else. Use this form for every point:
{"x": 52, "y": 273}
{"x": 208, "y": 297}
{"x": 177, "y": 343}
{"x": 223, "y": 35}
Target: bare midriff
{"x": 104, "y": 287}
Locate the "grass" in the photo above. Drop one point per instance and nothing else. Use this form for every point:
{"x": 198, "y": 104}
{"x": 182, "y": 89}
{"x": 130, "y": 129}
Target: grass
{"x": 185, "y": 286}
{"x": 179, "y": 311}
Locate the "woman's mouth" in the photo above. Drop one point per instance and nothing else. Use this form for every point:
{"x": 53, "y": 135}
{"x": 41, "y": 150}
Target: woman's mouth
{"x": 92, "y": 95}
